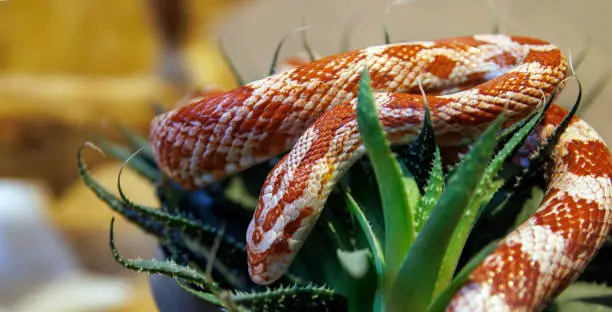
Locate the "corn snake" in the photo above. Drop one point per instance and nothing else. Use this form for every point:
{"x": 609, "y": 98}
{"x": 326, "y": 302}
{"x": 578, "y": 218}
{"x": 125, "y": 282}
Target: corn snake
{"x": 311, "y": 108}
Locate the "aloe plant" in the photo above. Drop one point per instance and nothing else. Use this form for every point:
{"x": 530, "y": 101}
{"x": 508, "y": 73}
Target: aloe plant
{"x": 399, "y": 230}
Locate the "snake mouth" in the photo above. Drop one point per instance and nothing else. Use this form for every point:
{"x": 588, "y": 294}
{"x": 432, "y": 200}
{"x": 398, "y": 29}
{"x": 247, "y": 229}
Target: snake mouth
{"x": 267, "y": 267}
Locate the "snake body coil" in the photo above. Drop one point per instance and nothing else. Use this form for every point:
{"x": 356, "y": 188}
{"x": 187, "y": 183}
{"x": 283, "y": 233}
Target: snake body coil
{"x": 311, "y": 110}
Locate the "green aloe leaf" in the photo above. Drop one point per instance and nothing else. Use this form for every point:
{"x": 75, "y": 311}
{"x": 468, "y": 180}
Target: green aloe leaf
{"x": 419, "y": 155}
{"x": 142, "y": 166}
{"x": 399, "y": 228}
{"x": 376, "y": 250}
{"x": 237, "y": 76}
{"x": 560, "y": 129}
{"x": 487, "y": 187}
{"x": 501, "y": 212}
{"x": 167, "y": 268}
{"x": 444, "y": 298}
{"x": 335, "y": 228}
{"x": 412, "y": 191}
{"x": 530, "y": 206}
{"x": 417, "y": 277}
{"x": 158, "y": 222}
{"x": 279, "y": 47}
{"x": 306, "y": 45}
{"x": 360, "y": 182}
{"x": 138, "y": 142}
{"x": 115, "y": 203}
{"x": 348, "y": 271}
{"x": 290, "y": 298}
{"x": 427, "y": 165}
{"x": 582, "y": 296}
{"x": 199, "y": 239}
{"x": 538, "y": 113}
{"x": 597, "y": 89}
{"x": 223, "y": 298}
{"x": 387, "y": 36}
{"x": 236, "y": 191}
{"x": 222, "y": 263}
{"x": 433, "y": 191}
{"x": 317, "y": 261}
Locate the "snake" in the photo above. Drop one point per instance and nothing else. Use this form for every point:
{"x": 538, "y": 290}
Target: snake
{"x": 308, "y": 112}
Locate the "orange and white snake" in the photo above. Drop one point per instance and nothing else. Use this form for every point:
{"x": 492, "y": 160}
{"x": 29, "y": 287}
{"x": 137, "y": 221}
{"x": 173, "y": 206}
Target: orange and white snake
{"x": 469, "y": 81}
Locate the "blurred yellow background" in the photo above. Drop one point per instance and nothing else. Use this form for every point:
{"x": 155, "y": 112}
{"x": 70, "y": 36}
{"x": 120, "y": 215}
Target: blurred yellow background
{"x": 70, "y": 69}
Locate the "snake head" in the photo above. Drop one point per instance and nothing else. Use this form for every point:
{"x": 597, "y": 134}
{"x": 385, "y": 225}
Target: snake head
{"x": 276, "y": 232}
{"x": 269, "y": 255}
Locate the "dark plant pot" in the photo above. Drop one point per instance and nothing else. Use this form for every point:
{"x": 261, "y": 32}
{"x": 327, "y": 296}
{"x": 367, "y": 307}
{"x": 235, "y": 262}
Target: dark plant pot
{"x": 170, "y": 297}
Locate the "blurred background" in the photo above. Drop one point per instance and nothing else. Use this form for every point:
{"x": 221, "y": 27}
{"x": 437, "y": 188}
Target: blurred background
{"x": 71, "y": 70}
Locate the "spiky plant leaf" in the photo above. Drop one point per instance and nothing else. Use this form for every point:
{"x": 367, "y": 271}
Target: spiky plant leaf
{"x": 417, "y": 277}
{"x": 193, "y": 231}
{"x": 387, "y": 36}
{"x": 336, "y": 229}
{"x": 167, "y": 219}
{"x": 596, "y": 91}
{"x": 147, "y": 225}
{"x": 198, "y": 239}
{"x": 334, "y": 234}
{"x": 224, "y": 266}
{"x": 193, "y": 234}
{"x": 138, "y": 142}
{"x": 419, "y": 155}
{"x": 530, "y": 206}
{"x": 499, "y": 216}
{"x": 442, "y": 300}
{"x": 168, "y": 268}
{"x": 291, "y": 298}
{"x": 583, "y": 296}
{"x": 172, "y": 247}
{"x": 236, "y": 191}
{"x": 142, "y": 166}
{"x": 372, "y": 237}
{"x": 279, "y": 47}
{"x": 237, "y": 77}
{"x": 487, "y": 187}
{"x": 223, "y": 298}
{"x": 560, "y": 129}
{"x": 423, "y": 159}
{"x": 412, "y": 192}
{"x": 319, "y": 249}
{"x": 433, "y": 191}
{"x": 399, "y": 229}
{"x": 360, "y": 182}
{"x": 508, "y": 133}
{"x": 306, "y": 45}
